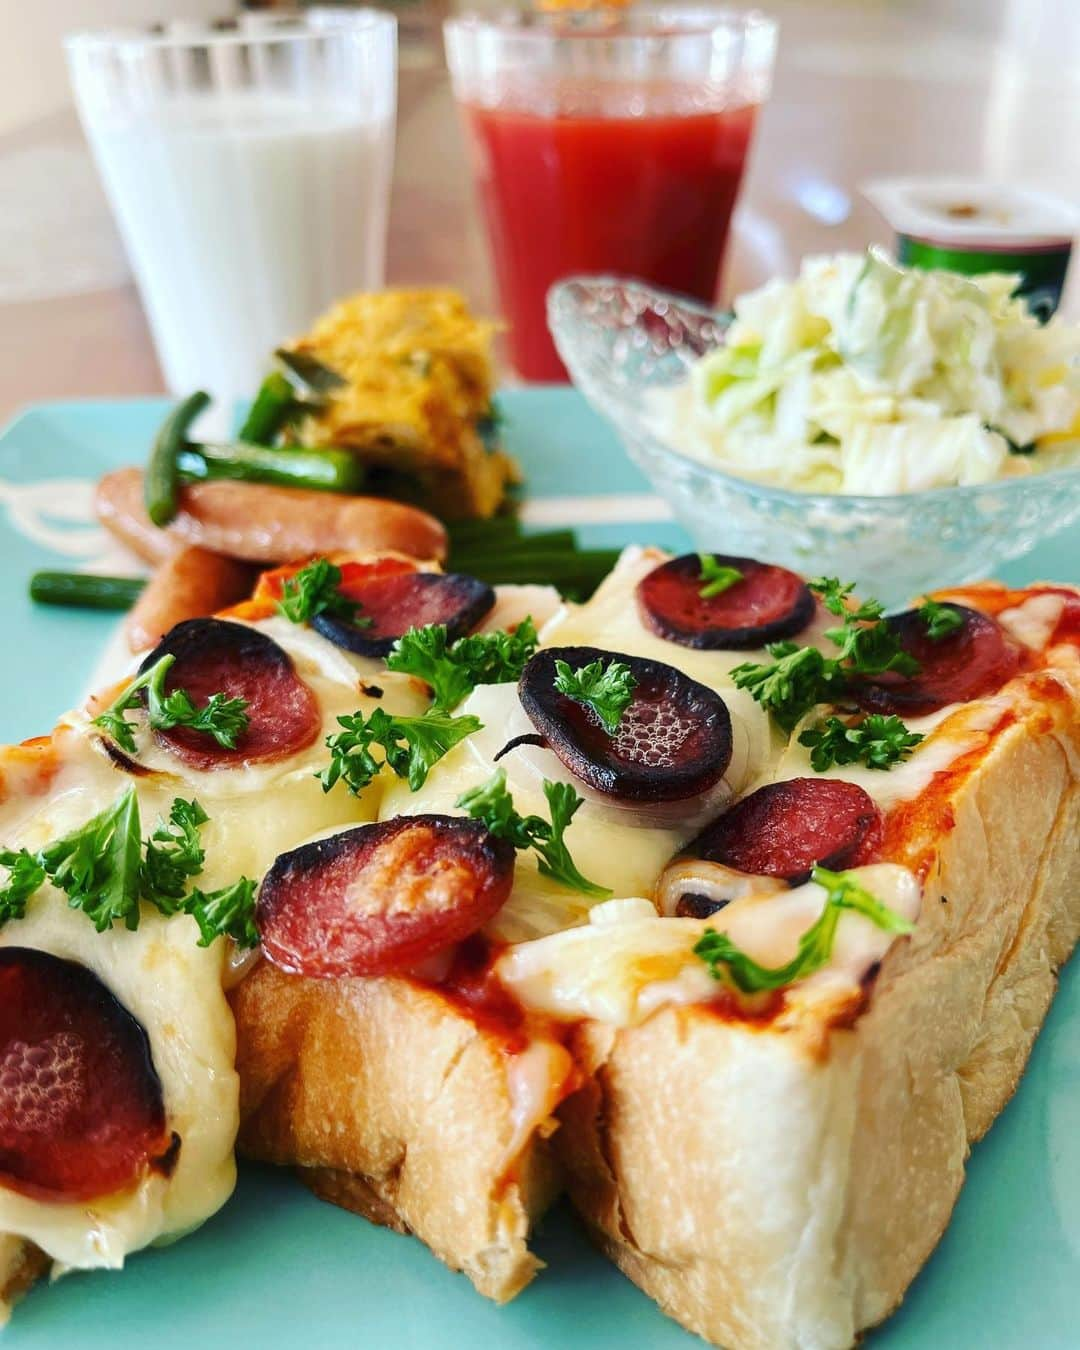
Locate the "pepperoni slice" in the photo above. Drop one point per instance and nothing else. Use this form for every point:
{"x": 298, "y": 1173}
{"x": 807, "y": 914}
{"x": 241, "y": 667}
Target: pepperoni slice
{"x": 784, "y": 829}
{"x": 672, "y": 742}
{"x": 971, "y": 662}
{"x": 81, "y": 1108}
{"x": 394, "y": 604}
{"x": 768, "y": 604}
{"x": 214, "y": 656}
{"x": 381, "y": 898}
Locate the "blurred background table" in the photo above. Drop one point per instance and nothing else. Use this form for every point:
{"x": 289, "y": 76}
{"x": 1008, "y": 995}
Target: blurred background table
{"x": 863, "y": 87}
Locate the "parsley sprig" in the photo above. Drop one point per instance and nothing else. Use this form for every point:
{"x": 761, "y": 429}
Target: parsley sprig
{"x": 834, "y": 595}
{"x": 315, "y": 590}
{"x": 24, "y": 875}
{"x": 104, "y": 867}
{"x": 492, "y": 803}
{"x": 940, "y": 620}
{"x": 877, "y": 741}
{"x": 99, "y": 865}
{"x": 410, "y": 745}
{"x": 868, "y": 646}
{"x": 605, "y": 687}
{"x": 173, "y": 855}
{"x": 717, "y": 577}
{"x": 225, "y": 719}
{"x": 454, "y": 669}
{"x": 228, "y": 912}
{"x": 843, "y": 891}
{"x": 799, "y": 678}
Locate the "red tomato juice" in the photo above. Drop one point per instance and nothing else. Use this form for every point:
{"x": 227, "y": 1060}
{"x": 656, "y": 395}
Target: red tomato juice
{"x": 645, "y": 196}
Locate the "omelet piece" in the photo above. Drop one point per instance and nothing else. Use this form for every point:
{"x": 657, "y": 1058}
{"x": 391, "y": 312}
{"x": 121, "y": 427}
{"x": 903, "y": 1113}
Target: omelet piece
{"x": 417, "y": 402}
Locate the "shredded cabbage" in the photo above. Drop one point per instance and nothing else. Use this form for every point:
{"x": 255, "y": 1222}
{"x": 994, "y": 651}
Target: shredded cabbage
{"x": 866, "y": 377}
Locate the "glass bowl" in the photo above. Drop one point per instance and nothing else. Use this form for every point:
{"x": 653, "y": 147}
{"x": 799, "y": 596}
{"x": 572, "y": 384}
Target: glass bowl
{"x": 620, "y": 339}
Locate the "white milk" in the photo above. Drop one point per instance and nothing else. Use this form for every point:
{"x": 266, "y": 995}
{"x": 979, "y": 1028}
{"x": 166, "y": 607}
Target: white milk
{"x": 244, "y": 216}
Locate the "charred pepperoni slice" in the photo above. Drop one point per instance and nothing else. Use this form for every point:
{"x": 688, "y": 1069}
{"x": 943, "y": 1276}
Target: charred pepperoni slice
{"x": 392, "y": 605}
{"x": 381, "y": 898}
{"x": 784, "y": 829}
{"x": 81, "y": 1108}
{"x": 214, "y": 656}
{"x": 768, "y": 604}
{"x": 672, "y": 742}
{"x": 974, "y": 660}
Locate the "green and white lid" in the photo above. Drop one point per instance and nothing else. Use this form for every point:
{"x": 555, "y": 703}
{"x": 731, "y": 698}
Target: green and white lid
{"x": 972, "y": 212}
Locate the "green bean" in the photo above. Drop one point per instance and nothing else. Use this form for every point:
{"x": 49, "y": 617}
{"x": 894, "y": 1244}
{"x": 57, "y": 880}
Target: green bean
{"x": 581, "y": 570}
{"x": 321, "y": 470}
{"x": 83, "y": 591}
{"x": 494, "y": 534}
{"x": 275, "y": 406}
{"x": 556, "y": 543}
{"x": 161, "y": 484}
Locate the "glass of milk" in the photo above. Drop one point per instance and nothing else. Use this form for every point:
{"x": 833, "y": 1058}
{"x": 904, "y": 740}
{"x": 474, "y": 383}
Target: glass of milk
{"x": 248, "y": 165}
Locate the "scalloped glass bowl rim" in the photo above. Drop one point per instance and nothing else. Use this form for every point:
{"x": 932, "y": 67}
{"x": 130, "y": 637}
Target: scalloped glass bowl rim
{"x": 563, "y": 307}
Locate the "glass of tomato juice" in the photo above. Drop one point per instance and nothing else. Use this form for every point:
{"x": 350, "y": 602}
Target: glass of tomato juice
{"x": 606, "y": 141}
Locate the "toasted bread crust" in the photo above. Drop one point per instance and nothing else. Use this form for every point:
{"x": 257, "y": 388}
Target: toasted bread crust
{"x": 21, "y": 1264}
{"x": 399, "y": 1105}
{"x": 767, "y": 1195}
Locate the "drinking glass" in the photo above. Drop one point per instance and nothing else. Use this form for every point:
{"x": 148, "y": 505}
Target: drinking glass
{"x": 248, "y": 166}
{"x": 607, "y": 141}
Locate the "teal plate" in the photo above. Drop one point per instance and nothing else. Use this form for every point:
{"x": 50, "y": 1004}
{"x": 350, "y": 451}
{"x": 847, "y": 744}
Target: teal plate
{"x": 277, "y": 1268}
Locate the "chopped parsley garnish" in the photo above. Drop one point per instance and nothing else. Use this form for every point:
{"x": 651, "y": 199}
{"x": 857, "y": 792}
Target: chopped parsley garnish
{"x": 717, "y": 577}
{"x": 606, "y": 688}
{"x": 799, "y": 678}
{"x": 728, "y": 963}
{"x": 173, "y": 854}
{"x": 493, "y": 804}
{"x": 24, "y": 875}
{"x": 871, "y": 649}
{"x": 315, "y": 590}
{"x": 940, "y": 620}
{"x": 223, "y": 718}
{"x": 454, "y": 669}
{"x": 868, "y": 646}
{"x": 834, "y": 596}
{"x": 877, "y": 741}
{"x": 410, "y": 745}
{"x": 228, "y": 912}
{"x": 104, "y": 868}
{"x": 99, "y": 865}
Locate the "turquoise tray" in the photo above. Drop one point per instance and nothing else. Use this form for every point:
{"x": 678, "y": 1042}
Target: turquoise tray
{"x": 277, "y": 1268}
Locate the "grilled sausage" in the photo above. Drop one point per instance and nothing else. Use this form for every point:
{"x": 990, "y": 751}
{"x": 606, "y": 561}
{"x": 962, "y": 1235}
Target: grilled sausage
{"x": 257, "y": 523}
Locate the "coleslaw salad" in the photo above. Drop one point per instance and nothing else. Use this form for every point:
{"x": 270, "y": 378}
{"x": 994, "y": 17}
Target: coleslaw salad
{"x": 865, "y": 377}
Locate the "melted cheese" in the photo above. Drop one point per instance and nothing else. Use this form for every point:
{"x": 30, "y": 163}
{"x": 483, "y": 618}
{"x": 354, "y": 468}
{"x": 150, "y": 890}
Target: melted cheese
{"x": 536, "y": 1080}
{"x": 341, "y": 682}
{"x": 1033, "y": 622}
{"x": 612, "y": 620}
{"x": 950, "y": 733}
{"x": 623, "y": 846}
{"x": 159, "y": 973}
{"x": 542, "y": 604}
{"x": 173, "y": 988}
{"x": 627, "y": 962}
